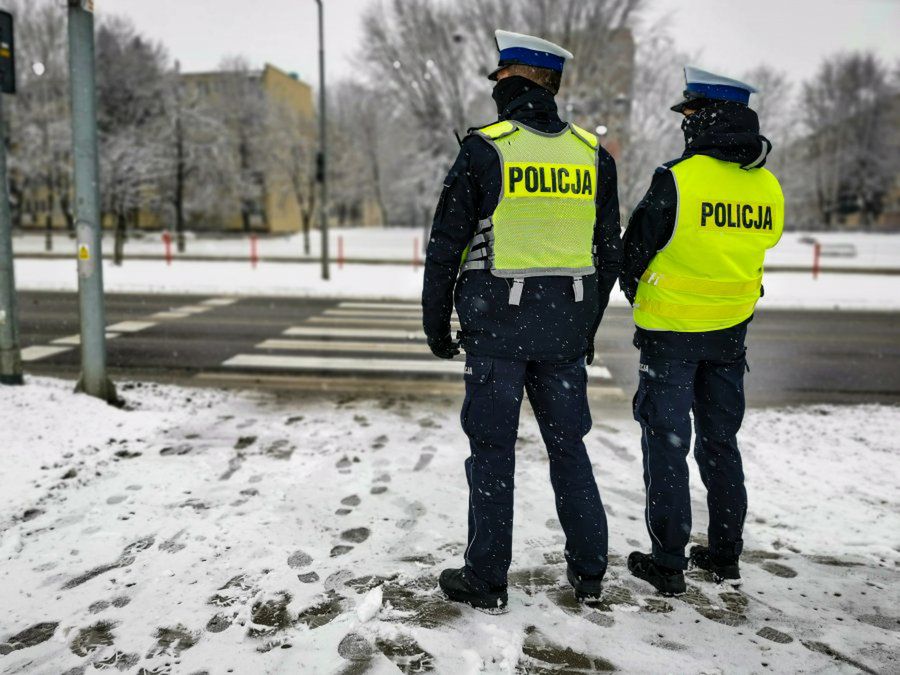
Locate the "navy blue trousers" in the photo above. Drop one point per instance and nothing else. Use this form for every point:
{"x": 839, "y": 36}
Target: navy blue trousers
{"x": 490, "y": 417}
{"x": 668, "y": 391}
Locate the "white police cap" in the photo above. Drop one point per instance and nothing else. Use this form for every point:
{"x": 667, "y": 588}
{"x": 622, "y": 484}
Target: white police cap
{"x": 528, "y": 50}
{"x": 702, "y": 84}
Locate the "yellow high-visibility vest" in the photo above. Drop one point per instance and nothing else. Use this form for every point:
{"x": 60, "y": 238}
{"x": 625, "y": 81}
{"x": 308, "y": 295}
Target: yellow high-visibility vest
{"x": 709, "y": 274}
{"x": 543, "y": 224}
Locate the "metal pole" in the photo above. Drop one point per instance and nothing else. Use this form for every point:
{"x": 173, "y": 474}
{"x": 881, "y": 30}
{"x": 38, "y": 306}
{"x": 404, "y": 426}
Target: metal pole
{"x": 94, "y": 380}
{"x": 10, "y": 356}
{"x": 322, "y": 165}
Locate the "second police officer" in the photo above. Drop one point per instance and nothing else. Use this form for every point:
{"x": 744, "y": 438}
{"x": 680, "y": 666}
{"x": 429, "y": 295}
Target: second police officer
{"x": 526, "y": 241}
{"x": 693, "y": 267}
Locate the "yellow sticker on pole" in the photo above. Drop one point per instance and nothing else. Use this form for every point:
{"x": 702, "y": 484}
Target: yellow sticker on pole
{"x": 84, "y": 253}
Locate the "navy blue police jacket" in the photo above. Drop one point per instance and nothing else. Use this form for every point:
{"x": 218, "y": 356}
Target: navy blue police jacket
{"x": 729, "y": 132}
{"x": 548, "y": 325}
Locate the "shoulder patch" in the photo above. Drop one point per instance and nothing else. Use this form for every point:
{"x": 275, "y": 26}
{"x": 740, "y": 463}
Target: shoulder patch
{"x": 585, "y": 135}
{"x": 495, "y": 130}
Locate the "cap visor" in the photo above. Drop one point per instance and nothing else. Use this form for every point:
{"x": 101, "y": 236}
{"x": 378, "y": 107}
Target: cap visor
{"x": 680, "y": 106}
{"x": 493, "y": 75}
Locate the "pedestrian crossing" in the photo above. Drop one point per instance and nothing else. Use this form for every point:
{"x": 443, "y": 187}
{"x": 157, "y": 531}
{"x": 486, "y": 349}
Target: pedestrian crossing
{"x": 69, "y": 342}
{"x": 367, "y": 338}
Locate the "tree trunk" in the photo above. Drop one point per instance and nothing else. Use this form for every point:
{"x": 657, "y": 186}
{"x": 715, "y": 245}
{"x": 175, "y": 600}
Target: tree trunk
{"x": 179, "y": 184}
{"x": 66, "y": 209}
{"x": 119, "y": 246}
{"x": 305, "y": 218}
{"x": 245, "y": 215}
{"x": 48, "y": 232}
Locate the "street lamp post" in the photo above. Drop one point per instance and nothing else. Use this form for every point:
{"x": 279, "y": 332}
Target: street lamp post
{"x": 10, "y": 354}
{"x": 321, "y": 171}
{"x": 87, "y": 202}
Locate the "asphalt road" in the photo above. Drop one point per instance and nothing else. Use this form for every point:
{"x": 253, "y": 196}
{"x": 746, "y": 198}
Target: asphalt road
{"x": 796, "y": 357}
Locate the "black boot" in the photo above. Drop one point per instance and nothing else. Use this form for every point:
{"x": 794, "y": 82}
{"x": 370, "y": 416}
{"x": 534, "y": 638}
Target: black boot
{"x": 666, "y": 580}
{"x": 722, "y": 569}
{"x": 587, "y": 589}
{"x": 459, "y": 587}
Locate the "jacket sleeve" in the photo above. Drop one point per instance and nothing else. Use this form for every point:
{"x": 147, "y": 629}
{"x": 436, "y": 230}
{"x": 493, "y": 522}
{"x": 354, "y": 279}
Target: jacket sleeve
{"x": 649, "y": 229}
{"x": 607, "y": 231}
{"x": 454, "y": 225}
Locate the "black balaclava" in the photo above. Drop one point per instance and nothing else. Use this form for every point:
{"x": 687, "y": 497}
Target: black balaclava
{"x": 725, "y": 130}
{"x": 514, "y": 87}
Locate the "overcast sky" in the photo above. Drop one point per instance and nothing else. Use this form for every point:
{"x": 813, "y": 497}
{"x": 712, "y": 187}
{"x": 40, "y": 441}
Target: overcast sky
{"x": 729, "y": 35}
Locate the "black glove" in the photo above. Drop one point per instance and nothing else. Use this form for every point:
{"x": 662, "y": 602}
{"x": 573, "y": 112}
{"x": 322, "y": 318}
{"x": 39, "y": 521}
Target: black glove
{"x": 443, "y": 347}
{"x": 589, "y": 354}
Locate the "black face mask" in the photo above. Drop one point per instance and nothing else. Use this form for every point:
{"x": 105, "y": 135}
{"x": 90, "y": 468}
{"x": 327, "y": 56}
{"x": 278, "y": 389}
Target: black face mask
{"x": 509, "y": 88}
{"x": 695, "y": 124}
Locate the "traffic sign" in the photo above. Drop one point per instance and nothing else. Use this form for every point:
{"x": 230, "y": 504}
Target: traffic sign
{"x": 7, "y": 54}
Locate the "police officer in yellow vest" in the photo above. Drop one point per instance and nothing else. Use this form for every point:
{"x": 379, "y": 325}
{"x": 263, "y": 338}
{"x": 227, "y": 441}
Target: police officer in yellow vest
{"x": 693, "y": 268}
{"x": 526, "y": 240}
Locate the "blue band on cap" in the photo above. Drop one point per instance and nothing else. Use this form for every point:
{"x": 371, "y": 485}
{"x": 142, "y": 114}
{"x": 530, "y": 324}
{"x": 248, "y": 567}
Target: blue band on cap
{"x": 530, "y": 57}
{"x": 720, "y": 92}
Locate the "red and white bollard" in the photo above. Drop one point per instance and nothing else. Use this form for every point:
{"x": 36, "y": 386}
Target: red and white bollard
{"x": 167, "y": 242}
{"x": 340, "y": 260}
{"x": 254, "y": 253}
{"x": 817, "y": 254}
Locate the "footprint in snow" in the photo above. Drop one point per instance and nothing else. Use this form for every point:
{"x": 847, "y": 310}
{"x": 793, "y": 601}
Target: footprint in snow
{"x": 299, "y": 559}
{"x": 423, "y": 461}
{"x": 405, "y": 653}
{"x": 770, "y": 633}
{"x": 378, "y": 490}
{"x": 340, "y": 549}
{"x": 357, "y": 535}
{"x": 323, "y": 612}
{"x": 344, "y": 463}
{"x": 548, "y": 656}
{"x": 352, "y": 500}
{"x": 778, "y": 570}
{"x": 31, "y": 636}
{"x": 358, "y": 650}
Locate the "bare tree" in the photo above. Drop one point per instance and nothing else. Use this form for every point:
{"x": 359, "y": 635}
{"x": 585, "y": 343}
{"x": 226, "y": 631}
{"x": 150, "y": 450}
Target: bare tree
{"x": 192, "y": 135}
{"x": 41, "y": 166}
{"x": 430, "y": 59}
{"x": 293, "y": 148}
{"x": 359, "y": 115}
{"x": 849, "y": 110}
{"x": 131, "y": 113}
{"x": 654, "y": 133}
{"x": 243, "y": 110}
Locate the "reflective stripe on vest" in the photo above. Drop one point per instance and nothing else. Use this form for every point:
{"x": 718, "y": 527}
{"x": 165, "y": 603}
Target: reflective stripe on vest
{"x": 705, "y": 286}
{"x": 709, "y": 275}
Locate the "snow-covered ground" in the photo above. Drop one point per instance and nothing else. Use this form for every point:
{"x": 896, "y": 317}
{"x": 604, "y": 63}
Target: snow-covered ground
{"x": 404, "y": 282}
{"x": 199, "y": 530}
{"x": 840, "y": 249}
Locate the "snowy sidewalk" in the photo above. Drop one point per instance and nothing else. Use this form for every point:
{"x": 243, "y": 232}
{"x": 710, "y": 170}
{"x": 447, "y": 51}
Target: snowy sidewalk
{"x": 199, "y": 530}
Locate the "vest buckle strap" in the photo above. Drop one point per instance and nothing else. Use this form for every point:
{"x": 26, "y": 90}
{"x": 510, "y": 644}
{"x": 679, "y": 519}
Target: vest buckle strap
{"x": 578, "y": 287}
{"x": 515, "y": 291}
